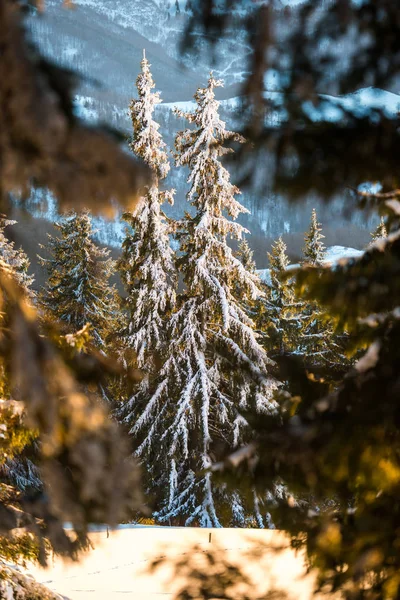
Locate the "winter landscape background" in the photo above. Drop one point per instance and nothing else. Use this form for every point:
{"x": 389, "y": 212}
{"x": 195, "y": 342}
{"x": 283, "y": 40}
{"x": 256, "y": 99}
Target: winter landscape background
{"x": 210, "y": 423}
{"x": 103, "y": 42}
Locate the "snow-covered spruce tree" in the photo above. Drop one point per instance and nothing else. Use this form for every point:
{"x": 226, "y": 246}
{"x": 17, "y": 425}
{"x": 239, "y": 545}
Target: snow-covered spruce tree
{"x": 147, "y": 266}
{"x": 321, "y": 346}
{"x": 215, "y": 367}
{"x": 245, "y": 255}
{"x": 314, "y": 249}
{"x": 279, "y": 313}
{"x": 380, "y": 231}
{"x": 77, "y": 290}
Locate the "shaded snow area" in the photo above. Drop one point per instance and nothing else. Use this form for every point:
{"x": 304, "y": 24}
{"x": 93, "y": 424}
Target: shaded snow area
{"x": 336, "y": 253}
{"x": 332, "y": 256}
{"x": 118, "y": 566}
{"x": 363, "y": 103}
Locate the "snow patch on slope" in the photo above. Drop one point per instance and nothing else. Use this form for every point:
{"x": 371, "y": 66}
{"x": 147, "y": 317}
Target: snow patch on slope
{"x": 333, "y": 255}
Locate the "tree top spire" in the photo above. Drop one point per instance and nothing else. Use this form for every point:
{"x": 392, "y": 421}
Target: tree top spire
{"x": 147, "y": 141}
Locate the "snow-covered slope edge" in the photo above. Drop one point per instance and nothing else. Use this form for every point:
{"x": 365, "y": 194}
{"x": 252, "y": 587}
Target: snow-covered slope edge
{"x": 333, "y": 255}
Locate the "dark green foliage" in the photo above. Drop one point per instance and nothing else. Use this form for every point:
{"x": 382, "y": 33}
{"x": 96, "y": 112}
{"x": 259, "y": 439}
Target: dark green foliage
{"x": 322, "y": 347}
{"x": 279, "y": 314}
{"x": 346, "y": 445}
{"x": 77, "y": 291}
{"x": 291, "y": 325}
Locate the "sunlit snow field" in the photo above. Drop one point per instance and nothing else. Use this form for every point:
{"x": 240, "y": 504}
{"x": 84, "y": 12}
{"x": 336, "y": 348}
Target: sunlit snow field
{"x": 118, "y": 565}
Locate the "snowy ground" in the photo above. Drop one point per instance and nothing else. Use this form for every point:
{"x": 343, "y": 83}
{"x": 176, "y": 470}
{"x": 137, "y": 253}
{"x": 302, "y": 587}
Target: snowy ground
{"x": 117, "y": 566}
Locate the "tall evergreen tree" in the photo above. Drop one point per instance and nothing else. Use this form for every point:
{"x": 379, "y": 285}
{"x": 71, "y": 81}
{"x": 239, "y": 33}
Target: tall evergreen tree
{"x": 314, "y": 249}
{"x": 147, "y": 264}
{"x": 215, "y": 366}
{"x": 77, "y": 291}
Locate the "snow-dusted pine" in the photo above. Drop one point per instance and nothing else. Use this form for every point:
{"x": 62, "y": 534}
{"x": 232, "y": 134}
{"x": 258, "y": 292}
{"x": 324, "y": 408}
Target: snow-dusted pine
{"x": 321, "y": 346}
{"x": 147, "y": 265}
{"x": 245, "y": 255}
{"x": 215, "y": 367}
{"x": 314, "y": 249}
{"x": 77, "y": 290}
{"x": 280, "y": 314}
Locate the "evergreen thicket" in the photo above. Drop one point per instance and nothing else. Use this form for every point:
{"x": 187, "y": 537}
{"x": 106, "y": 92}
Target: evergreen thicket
{"x": 293, "y": 326}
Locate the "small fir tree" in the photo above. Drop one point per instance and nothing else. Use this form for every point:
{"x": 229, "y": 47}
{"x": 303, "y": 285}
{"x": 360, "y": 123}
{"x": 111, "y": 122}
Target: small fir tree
{"x": 280, "y": 315}
{"x": 245, "y": 255}
{"x": 147, "y": 266}
{"x": 215, "y": 366}
{"x": 314, "y": 249}
{"x": 321, "y": 346}
{"x": 77, "y": 291}
{"x": 380, "y": 232}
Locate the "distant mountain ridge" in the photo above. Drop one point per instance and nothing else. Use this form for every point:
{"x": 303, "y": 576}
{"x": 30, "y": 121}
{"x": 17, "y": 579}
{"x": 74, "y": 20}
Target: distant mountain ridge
{"x": 103, "y": 41}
